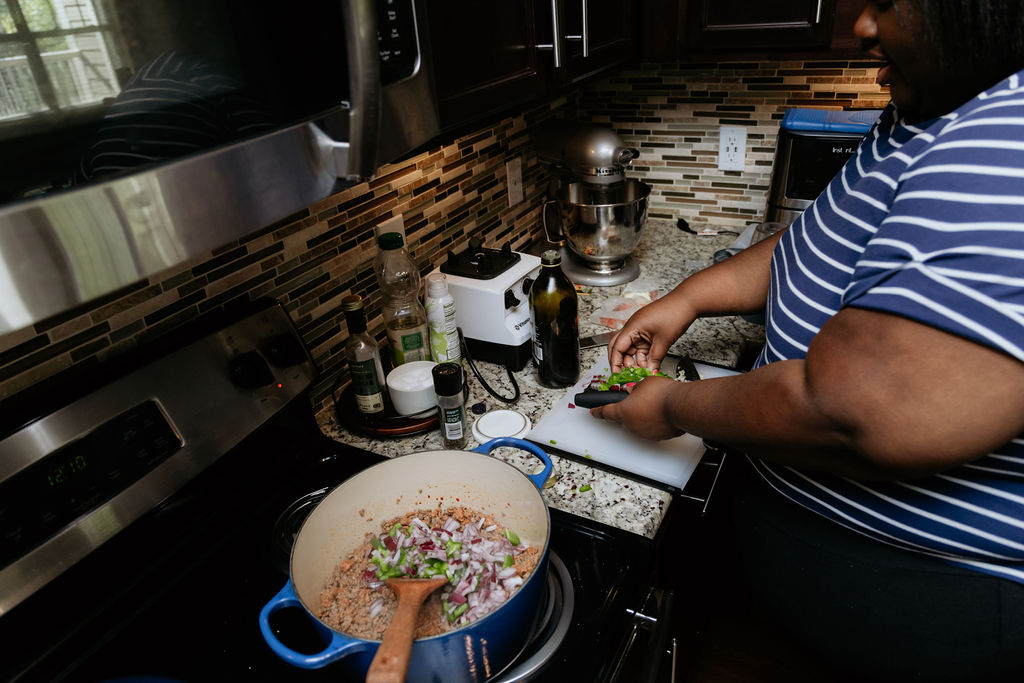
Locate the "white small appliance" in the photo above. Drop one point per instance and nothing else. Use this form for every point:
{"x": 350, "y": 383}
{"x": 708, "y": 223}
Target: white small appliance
{"x": 491, "y": 289}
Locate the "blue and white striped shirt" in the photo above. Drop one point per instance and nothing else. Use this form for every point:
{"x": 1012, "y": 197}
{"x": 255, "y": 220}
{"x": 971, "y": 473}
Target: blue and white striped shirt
{"x": 925, "y": 221}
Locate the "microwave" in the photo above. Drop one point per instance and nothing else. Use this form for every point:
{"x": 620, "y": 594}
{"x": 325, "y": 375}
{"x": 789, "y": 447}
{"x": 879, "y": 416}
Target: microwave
{"x": 135, "y": 136}
{"x": 813, "y": 145}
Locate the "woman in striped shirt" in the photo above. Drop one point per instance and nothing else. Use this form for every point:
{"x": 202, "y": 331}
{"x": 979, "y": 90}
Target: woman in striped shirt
{"x": 883, "y": 515}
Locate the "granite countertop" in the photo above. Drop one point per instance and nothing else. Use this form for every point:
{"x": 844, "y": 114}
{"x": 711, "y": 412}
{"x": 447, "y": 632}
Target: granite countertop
{"x": 666, "y": 255}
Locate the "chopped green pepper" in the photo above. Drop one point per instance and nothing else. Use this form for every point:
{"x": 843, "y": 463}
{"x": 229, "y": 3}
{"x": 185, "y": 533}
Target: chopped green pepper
{"x": 512, "y": 537}
{"x": 585, "y": 488}
{"x": 625, "y": 376}
{"x": 509, "y": 561}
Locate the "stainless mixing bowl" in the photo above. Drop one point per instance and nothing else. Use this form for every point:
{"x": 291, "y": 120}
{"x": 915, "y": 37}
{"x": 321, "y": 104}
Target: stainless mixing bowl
{"x": 601, "y": 224}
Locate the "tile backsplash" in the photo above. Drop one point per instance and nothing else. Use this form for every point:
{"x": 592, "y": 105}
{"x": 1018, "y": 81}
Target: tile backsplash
{"x": 451, "y": 193}
{"x": 672, "y": 114}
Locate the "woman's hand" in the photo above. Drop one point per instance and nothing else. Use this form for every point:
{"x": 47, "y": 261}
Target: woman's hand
{"x": 736, "y": 285}
{"x": 646, "y": 337}
{"x": 647, "y": 410}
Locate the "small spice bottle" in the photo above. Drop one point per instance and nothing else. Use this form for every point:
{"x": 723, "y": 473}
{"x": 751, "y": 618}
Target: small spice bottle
{"x": 451, "y": 410}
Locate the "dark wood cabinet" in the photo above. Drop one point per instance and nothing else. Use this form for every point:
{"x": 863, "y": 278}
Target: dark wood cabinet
{"x": 750, "y": 29}
{"x": 490, "y": 57}
{"x": 485, "y": 57}
{"x": 747, "y": 24}
{"x": 608, "y": 30}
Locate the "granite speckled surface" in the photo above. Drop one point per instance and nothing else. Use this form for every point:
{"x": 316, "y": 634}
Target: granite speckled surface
{"x": 666, "y": 255}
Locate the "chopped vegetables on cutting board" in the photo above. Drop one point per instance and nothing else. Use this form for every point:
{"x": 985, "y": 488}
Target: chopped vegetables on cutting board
{"x": 573, "y": 430}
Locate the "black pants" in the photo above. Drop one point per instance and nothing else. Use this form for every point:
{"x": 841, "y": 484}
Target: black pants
{"x": 876, "y": 612}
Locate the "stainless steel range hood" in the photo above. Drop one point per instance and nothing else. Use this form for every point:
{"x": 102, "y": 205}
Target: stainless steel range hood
{"x": 65, "y": 250}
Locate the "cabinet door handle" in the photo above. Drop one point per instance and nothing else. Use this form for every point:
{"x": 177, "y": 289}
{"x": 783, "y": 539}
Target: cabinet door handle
{"x": 586, "y": 29}
{"x": 585, "y": 36}
{"x": 817, "y": 13}
{"x": 556, "y": 34}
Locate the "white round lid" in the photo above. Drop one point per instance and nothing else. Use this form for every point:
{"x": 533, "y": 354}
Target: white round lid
{"x": 501, "y": 423}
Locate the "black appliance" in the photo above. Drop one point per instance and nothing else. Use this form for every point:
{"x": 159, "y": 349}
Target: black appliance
{"x": 138, "y": 135}
{"x": 813, "y": 144}
{"x": 147, "y": 517}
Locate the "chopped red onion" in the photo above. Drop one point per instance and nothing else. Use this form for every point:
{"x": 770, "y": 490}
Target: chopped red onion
{"x": 474, "y": 565}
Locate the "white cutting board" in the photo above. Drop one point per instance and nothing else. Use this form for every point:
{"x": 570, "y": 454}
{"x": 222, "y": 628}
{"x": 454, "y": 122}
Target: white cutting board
{"x": 574, "y": 431}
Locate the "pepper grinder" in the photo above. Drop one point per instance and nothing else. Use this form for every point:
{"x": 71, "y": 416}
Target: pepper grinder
{"x": 451, "y": 410}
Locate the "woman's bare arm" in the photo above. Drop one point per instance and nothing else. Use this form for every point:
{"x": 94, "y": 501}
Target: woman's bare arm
{"x": 878, "y": 397}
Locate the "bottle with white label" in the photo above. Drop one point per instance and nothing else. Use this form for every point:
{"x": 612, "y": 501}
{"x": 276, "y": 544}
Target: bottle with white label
{"x": 444, "y": 331}
{"x": 363, "y": 356}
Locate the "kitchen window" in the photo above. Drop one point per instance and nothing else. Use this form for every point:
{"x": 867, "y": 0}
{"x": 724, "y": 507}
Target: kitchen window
{"x": 55, "y": 55}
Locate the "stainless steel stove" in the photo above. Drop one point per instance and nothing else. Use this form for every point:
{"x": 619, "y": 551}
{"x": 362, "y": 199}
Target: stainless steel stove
{"x": 164, "y": 498}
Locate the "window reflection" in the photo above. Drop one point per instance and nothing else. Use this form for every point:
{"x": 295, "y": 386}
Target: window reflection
{"x": 55, "y": 55}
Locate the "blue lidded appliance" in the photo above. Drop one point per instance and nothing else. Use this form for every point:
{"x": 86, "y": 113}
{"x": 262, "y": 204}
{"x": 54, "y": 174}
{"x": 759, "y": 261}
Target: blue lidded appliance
{"x": 813, "y": 145}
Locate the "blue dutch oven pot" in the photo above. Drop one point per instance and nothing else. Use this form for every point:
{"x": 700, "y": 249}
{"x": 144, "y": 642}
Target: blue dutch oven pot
{"x": 361, "y": 504}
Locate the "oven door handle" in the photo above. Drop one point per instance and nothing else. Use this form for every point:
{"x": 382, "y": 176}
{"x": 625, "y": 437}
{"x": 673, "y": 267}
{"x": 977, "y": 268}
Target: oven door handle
{"x": 337, "y": 646}
{"x": 347, "y": 139}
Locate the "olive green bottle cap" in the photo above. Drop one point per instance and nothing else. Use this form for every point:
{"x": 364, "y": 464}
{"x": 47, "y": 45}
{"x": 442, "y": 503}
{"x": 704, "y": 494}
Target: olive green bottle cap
{"x": 390, "y": 240}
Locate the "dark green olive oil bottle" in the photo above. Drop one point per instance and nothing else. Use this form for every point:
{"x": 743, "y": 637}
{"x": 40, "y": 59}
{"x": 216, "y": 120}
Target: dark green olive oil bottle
{"x": 554, "y": 313}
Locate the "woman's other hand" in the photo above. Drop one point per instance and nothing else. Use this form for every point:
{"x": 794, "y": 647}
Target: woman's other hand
{"x": 736, "y": 285}
{"x": 646, "y": 337}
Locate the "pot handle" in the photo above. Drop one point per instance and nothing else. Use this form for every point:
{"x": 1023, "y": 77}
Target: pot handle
{"x": 337, "y": 646}
{"x": 537, "y": 479}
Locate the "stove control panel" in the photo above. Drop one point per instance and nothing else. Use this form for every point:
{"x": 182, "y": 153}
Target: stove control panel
{"x": 77, "y": 476}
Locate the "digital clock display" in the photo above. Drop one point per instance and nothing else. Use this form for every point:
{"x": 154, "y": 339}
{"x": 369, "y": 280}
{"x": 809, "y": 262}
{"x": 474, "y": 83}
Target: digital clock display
{"x": 46, "y": 496}
{"x": 65, "y": 471}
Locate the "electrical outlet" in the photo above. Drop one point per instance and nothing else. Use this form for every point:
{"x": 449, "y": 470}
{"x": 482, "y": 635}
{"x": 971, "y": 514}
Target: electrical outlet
{"x": 732, "y": 148}
{"x": 514, "y": 172}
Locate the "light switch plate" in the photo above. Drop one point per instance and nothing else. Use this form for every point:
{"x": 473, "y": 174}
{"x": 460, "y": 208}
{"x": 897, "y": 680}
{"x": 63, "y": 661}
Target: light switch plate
{"x": 732, "y": 148}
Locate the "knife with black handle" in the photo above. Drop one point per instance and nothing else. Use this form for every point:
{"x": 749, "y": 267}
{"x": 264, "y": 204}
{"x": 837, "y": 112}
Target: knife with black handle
{"x": 592, "y": 399}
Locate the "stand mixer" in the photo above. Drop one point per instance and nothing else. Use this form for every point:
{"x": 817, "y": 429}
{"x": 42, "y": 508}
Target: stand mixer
{"x": 594, "y": 213}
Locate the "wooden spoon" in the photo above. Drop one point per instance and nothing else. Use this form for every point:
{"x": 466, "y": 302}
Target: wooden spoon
{"x": 391, "y": 662}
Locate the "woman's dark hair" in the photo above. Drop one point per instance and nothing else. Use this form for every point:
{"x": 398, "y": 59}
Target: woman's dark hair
{"x": 975, "y": 36}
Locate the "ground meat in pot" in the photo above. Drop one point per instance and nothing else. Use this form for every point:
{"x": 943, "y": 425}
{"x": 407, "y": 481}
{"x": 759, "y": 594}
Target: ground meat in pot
{"x": 356, "y": 602}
